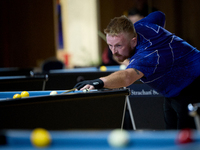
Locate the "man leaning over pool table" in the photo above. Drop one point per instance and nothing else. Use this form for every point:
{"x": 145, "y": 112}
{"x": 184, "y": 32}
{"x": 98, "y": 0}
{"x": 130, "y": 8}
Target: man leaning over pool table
{"x": 158, "y": 58}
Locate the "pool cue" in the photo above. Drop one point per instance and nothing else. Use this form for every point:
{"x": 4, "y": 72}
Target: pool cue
{"x": 102, "y": 35}
{"x": 71, "y": 90}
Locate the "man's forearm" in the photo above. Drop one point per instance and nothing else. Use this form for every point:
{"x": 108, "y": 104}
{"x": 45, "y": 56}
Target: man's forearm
{"x": 122, "y": 78}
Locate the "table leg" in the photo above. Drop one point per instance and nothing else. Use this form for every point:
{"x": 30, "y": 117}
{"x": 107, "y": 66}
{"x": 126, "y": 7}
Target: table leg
{"x": 197, "y": 121}
{"x": 44, "y": 84}
{"x": 124, "y": 113}
{"x": 127, "y": 104}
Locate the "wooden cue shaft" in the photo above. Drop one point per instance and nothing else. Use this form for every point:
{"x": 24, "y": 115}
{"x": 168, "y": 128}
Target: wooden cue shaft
{"x": 69, "y": 90}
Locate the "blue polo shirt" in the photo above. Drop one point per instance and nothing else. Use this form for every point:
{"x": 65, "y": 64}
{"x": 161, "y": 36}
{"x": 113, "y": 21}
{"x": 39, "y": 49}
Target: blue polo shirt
{"x": 168, "y": 63}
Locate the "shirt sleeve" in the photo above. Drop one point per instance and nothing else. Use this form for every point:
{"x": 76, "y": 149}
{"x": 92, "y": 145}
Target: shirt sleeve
{"x": 147, "y": 63}
{"x": 156, "y": 17}
{"x": 150, "y": 26}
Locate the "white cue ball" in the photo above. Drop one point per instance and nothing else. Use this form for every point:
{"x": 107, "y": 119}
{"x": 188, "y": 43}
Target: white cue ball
{"x": 85, "y": 90}
{"x": 53, "y": 93}
{"x": 118, "y": 138}
{"x": 122, "y": 67}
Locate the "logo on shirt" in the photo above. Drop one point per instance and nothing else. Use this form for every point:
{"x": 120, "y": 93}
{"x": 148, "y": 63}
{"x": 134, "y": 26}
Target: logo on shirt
{"x": 95, "y": 83}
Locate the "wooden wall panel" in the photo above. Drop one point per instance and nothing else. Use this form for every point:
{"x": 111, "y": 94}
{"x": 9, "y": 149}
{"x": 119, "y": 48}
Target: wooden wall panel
{"x": 27, "y": 32}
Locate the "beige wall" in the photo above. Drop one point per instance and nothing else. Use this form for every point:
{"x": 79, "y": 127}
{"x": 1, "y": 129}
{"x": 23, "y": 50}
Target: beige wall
{"x": 80, "y": 30}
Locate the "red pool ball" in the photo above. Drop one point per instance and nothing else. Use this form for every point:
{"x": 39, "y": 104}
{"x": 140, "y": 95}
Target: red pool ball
{"x": 184, "y": 136}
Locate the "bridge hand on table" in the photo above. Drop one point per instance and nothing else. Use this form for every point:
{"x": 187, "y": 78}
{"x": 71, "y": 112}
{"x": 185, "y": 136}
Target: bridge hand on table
{"x": 89, "y": 84}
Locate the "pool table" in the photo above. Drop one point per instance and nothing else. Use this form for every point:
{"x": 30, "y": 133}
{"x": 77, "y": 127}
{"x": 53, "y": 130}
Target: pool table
{"x": 15, "y": 71}
{"x": 97, "y": 140}
{"x": 102, "y": 109}
{"x": 13, "y": 83}
{"x": 146, "y": 103}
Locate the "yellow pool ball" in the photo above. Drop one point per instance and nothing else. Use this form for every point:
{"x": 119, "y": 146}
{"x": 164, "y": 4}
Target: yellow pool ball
{"x": 40, "y": 137}
{"x": 24, "y": 94}
{"x": 16, "y": 96}
{"x": 103, "y": 68}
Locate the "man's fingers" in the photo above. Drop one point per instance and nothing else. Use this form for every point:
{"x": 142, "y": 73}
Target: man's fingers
{"x": 90, "y": 87}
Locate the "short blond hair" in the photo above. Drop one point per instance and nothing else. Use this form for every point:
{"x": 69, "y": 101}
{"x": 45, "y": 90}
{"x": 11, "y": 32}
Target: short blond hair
{"x": 120, "y": 25}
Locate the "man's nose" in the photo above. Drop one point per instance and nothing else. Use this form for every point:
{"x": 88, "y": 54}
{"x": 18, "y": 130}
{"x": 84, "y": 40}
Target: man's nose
{"x": 114, "y": 51}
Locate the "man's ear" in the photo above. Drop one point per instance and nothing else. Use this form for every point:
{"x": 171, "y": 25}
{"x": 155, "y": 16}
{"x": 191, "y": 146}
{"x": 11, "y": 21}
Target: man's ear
{"x": 133, "y": 42}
